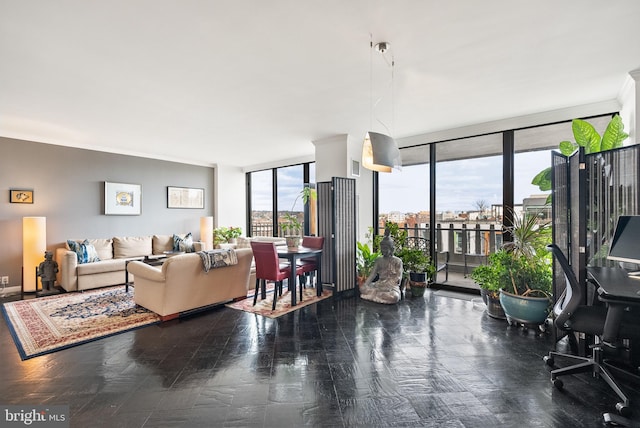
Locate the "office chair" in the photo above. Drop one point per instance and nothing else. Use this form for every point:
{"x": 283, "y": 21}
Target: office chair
{"x": 572, "y": 316}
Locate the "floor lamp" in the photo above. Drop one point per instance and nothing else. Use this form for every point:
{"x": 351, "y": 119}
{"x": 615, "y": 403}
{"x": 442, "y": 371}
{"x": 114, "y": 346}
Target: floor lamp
{"x": 206, "y": 232}
{"x": 34, "y": 244}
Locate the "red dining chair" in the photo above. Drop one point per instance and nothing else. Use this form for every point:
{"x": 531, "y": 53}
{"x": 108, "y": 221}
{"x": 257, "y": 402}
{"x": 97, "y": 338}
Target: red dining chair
{"x": 309, "y": 264}
{"x": 269, "y": 268}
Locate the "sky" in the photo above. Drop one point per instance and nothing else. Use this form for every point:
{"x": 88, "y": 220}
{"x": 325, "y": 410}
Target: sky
{"x": 460, "y": 184}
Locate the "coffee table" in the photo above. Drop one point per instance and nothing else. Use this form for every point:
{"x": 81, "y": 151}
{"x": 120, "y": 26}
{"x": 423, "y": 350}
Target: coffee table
{"x": 155, "y": 260}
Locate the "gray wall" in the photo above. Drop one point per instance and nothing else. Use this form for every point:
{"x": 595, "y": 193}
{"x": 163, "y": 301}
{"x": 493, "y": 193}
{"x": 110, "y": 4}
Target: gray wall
{"x": 68, "y": 185}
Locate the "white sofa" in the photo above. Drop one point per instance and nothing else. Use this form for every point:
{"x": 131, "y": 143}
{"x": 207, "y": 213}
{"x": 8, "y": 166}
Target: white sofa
{"x": 182, "y": 285}
{"x": 113, "y": 254}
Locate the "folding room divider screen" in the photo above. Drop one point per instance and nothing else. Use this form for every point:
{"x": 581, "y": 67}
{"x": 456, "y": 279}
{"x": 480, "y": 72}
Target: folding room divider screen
{"x": 590, "y": 192}
{"x": 337, "y": 223}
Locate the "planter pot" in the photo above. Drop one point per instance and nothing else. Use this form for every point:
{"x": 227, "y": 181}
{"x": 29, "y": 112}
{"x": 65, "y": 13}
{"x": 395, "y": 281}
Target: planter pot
{"x": 525, "y": 310}
{"x": 494, "y": 308}
{"x": 417, "y": 288}
{"x": 418, "y": 276}
{"x": 293, "y": 241}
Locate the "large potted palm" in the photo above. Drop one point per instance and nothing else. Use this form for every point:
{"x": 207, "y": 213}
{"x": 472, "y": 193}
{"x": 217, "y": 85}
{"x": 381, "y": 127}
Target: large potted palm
{"x": 526, "y": 280}
{"x": 519, "y": 275}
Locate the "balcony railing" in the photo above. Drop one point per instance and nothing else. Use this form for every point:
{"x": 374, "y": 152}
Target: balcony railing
{"x": 462, "y": 241}
{"x": 266, "y": 229}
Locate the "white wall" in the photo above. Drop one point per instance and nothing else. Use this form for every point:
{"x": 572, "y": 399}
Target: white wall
{"x": 231, "y": 205}
{"x": 334, "y": 158}
{"x": 629, "y": 96}
{"x": 331, "y": 157}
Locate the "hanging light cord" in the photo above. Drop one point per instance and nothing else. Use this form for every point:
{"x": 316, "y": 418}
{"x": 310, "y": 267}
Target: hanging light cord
{"x": 374, "y": 105}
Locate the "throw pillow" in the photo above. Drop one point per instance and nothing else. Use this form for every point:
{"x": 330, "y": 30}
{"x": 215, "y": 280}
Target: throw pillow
{"x": 183, "y": 244}
{"x": 76, "y": 248}
{"x": 85, "y": 252}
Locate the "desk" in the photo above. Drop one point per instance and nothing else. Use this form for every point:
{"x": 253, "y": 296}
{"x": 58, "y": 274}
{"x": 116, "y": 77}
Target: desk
{"x": 618, "y": 291}
{"x": 293, "y": 254}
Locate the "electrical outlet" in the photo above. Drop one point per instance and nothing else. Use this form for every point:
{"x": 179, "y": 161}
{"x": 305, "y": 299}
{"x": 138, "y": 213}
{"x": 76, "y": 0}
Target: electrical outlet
{"x": 5, "y": 280}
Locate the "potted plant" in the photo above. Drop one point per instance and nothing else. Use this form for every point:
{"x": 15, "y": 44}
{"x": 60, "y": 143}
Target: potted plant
{"x": 226, "y": 235}
{"x": 520, "y": 274}
{"x": 292, "y": 226}
{"x": 365, "y": 258}
{"x": 526, "y": 298}
{"x": 292, "y": 229}
{"x": 418, "y": 268}
{"x": 586, "y": 136}
{"x": 488, "y": 278}
{"x": 526, "y": 295}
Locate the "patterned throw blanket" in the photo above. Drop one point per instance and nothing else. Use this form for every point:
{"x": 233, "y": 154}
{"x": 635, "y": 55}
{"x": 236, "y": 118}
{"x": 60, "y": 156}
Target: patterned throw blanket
{"x": 218, "y": 258}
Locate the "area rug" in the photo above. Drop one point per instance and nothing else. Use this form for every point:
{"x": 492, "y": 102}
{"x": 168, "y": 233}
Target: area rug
{"x": 49, "y": 324}
{"x": 283, "y": 306}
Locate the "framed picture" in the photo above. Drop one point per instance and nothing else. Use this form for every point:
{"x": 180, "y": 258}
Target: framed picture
{"x": 20, "y": 196}
{"x": 122, "y": 199}
{"x": 185, "y": 197}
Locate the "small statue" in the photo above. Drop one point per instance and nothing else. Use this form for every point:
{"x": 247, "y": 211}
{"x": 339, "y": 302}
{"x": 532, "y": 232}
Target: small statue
{"x": 388, "y": 271}
{"x": 47, "y": 271}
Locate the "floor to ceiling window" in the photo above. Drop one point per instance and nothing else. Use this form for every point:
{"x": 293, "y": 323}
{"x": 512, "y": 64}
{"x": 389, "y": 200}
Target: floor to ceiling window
{"x": 404, "y": 197}
{"x": 469, "y": 198}
{"x": 290, "y": 184}
{"x": 468, "y": 187}
{"x": 275, "y": 192}
{"x": 261, "y": 203}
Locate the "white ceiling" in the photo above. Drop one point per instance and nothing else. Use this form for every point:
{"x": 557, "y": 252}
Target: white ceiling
{"x": 246, "y": 82}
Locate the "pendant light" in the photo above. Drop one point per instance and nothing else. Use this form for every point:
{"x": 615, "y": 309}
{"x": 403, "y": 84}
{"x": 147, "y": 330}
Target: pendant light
{"x": 380, "y": 151}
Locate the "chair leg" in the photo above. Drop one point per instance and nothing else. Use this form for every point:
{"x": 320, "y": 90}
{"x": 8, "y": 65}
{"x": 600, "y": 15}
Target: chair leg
{"x": 589, "y": 364}
{"x": 277, "y": 286}
{"x": 300, "y": 289}
{"x": 255, "y": 294}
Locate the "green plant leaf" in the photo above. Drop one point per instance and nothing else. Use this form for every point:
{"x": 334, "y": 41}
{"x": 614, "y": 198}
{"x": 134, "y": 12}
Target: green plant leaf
{"x": 567, "y": 147}
{"x": 586, "y": 135}
{"x": 543, "y": 180}
{"x": 614, "y": 135}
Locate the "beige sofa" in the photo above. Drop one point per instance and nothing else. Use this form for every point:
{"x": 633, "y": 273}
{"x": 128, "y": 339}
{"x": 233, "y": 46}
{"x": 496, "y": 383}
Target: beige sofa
{"x": 114, "y": 254}
{"x": 182, "y": 285}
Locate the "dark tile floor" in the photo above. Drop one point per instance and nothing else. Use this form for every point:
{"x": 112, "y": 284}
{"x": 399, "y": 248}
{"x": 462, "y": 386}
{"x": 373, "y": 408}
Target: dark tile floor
{"x": 426, "y": 362}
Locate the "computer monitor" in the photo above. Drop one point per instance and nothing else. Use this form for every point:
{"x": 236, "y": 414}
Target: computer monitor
{"x": 625, "y": 244}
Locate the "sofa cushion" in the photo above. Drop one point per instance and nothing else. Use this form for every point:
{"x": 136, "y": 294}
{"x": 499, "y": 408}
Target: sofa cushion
{"x": 162, "y": 243}
{"x": 85, "y": 251}
{"x": 104, "y": 248}
{"x": 183, "y": 243}
{"x": 112, "y": 265}
{"x": 127, "y": 247}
